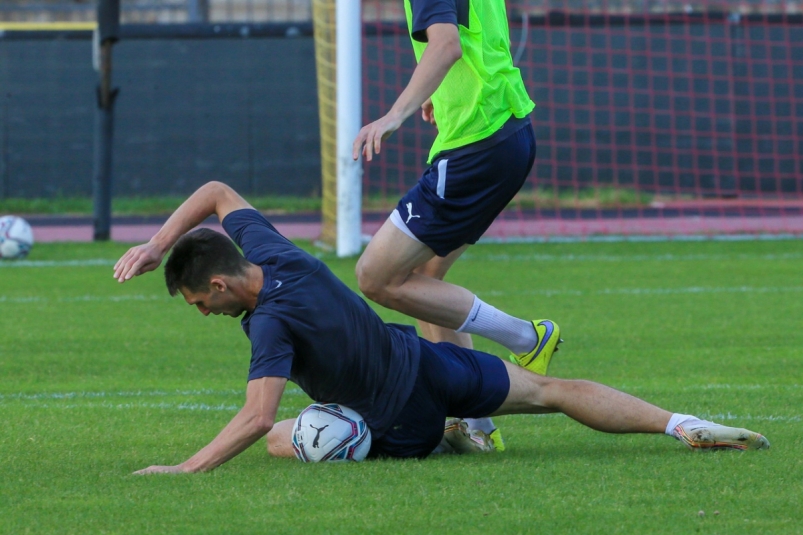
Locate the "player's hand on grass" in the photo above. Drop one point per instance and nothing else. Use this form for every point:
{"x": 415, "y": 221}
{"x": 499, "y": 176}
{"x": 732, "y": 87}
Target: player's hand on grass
{"x": 428, "y": 112}
{"x": 178, "y": 469}
{"x": 369, "y": 140}
{"x": 138, "y": 260}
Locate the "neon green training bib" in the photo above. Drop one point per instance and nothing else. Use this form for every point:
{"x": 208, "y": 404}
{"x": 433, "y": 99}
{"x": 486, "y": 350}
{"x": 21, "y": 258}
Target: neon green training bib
{"x": 483, "y": 89}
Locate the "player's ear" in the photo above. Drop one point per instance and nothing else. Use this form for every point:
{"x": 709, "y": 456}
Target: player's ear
{"x": 218, "y": 284}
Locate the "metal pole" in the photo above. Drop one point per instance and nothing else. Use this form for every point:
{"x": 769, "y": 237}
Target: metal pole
{"x": 104, "y": 135}
{"x": 108, "y": 28}
{"x": 4, "y": 119}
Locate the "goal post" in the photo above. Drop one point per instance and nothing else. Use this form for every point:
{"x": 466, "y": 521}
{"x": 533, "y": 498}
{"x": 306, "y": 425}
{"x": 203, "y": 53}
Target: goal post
{"x": 338, "y": 42}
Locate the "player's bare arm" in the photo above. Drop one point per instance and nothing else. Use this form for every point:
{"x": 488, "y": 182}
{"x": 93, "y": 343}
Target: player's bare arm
{"x": 253, "y": 422}
{"x": 211, "y": 198}
{"x": 443, "y": 50}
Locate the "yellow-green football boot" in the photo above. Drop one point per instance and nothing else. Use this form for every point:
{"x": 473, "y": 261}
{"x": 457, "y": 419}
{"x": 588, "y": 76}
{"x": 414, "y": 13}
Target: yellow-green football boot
{"x": 496, "y": 439}
{"x": 548, "y": 339}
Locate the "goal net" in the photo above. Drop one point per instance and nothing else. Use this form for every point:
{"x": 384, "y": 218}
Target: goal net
{"x": 653, "y": 118}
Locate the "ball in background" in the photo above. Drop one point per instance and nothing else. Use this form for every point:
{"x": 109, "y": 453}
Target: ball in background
{"x": 330, "y": 432}
{"x": 16, "y": 237}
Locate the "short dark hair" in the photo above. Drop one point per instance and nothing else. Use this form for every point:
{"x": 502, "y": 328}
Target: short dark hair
{"x": 199, "y": 255}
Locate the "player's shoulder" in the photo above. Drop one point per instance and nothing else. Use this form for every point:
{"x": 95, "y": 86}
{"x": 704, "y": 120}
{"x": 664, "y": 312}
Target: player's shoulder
{"x": 433, "y": 11}
{"x": 263, "y": 321}
{"x": 250, "y": 229}
{"x": 244, "y": 217}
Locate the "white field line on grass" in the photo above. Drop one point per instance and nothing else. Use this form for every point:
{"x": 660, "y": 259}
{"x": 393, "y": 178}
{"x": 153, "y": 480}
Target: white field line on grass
{"x": 70, "y": 396}
{"x": 222, "y": 407}
{"x": 67, "y": 401}
{"x": 654, "y": 291}
{"x": 492, "y": 257}
{"x": 546, "y": 292}
{"x": 138, "y": 405}
{"x": 720, "y": 417}
{"x": 57, "y": 263}
{"x": 129, "y": 394}
{"x": 84, "y": 298}
{"x": 537, "y": 257}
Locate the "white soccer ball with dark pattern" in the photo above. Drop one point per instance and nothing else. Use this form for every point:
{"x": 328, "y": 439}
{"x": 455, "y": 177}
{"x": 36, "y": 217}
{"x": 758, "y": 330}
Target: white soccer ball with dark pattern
{"x": 16, "y": 237}
{"x": 330, "y": 432}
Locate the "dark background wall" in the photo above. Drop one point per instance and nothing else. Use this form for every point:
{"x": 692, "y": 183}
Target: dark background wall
{"x": 190, "y": 110}
{"x": 667, "y": 104}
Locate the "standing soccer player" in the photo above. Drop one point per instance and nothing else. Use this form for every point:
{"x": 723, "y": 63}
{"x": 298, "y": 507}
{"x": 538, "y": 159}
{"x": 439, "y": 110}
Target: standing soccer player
{"x": 481, "y": 157}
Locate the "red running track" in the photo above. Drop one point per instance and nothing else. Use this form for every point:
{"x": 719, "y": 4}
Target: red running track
{"x": 143, "y": 233}
{"x": 543, "y": 229}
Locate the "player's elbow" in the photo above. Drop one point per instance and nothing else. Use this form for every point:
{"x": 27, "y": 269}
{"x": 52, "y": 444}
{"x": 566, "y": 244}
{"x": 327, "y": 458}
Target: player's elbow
{"x": 444, "y": 39}
{"x": 257, "y": 423}
{"x": 449, "y": 47}
{"x": 217, "y": 188}
{"x": 452, "y": 50}
{"x": 262, "y": 425}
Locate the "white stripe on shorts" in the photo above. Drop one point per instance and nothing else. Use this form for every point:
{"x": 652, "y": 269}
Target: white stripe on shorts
{"x": 396, "y": 219}
{"x": 441, "y": 191}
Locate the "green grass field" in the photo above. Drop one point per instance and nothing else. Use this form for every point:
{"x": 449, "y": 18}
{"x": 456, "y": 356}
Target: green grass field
{"x": 99, "y": 379}
{"x": 164, "y": 205}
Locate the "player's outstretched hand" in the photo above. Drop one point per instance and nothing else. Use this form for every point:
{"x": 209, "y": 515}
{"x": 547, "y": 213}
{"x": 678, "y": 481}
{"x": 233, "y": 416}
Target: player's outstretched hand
{"x": 369, "y": 140}
{"x": 138, "y": 260}
{"x": 160, "y": 470}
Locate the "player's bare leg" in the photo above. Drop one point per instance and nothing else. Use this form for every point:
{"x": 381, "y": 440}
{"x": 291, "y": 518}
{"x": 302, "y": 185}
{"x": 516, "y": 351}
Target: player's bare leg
{"x": 388, "y": 274}
{"x": 436, "y": 268}
{"x": 606, "y": 409}
{"x": 592, "y": 404}
{"x": 280, "y": 439}
{"x": 385, "y": 274}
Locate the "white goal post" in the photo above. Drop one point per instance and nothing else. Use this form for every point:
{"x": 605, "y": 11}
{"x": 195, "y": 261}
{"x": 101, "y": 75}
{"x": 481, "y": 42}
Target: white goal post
{"x": 348, "y": 28}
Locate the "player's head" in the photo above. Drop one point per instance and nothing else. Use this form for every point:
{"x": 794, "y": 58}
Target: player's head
{"x": 201, "y": 266}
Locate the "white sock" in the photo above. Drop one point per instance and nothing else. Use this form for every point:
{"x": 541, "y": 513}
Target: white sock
{"x": 688, "y": 419}
{"x": 485, "y": 425}
{"x": 515, "y": 334}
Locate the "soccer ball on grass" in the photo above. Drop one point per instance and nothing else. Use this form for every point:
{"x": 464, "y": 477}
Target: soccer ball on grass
{"x": 330, "y": 432}
{"x": 16, "y": 237}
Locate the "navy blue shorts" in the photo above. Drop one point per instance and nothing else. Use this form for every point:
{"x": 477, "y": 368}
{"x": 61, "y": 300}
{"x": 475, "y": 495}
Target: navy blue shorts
{"x": 452, "y": 381}
{"x": 459, "y": 195}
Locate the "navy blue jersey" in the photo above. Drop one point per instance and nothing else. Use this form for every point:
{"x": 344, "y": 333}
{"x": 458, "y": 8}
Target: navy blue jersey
{"x": 311, "y": 328}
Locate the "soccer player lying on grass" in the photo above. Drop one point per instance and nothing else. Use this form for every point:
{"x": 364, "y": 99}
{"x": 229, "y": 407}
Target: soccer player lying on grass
{"x": 305, "y": 325}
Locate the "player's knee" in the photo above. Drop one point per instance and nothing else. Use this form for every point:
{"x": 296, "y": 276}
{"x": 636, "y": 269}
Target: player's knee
{"x": 371, "y": 282}
{"x": 553, "y": 393}
{"x": 273, "y": 450}
{"x": 543, "y": 390}
{"x": 529, "y": 392}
